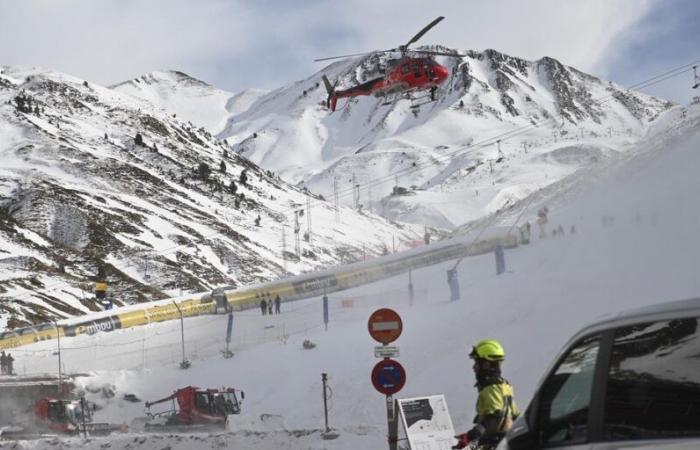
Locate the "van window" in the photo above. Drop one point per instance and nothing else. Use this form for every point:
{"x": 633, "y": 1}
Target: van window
{"x": 566, "y": 396}
{"x": 654, "y": 381}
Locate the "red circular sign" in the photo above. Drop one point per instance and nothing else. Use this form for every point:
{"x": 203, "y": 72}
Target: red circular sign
{"x": 388, "y": 376}
{"x": 385, "y": 325}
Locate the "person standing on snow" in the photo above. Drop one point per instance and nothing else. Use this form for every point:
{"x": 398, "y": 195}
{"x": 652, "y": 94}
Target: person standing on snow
{"x": 495, "y": 407}
{"x": 277, "y": 304}
{"x": 263, "y": 306}
{"x": 9, "y": 370}
{"x": 3, "y": 363}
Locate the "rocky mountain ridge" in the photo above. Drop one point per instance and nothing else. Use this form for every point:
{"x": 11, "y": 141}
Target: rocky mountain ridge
{"x": 93, "y": 178}
{"x": 494, "y": 111}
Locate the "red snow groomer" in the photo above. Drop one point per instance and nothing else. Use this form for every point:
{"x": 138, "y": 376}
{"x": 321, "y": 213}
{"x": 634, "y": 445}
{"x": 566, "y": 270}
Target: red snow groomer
{"x": 196, "y": 408}
{"x": 69, "y": 417}
{"x": 64, "y": 416}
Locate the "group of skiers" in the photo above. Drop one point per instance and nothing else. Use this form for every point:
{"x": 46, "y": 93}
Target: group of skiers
{"x": 266, "y": 305}
{"x": 6, "y": 361}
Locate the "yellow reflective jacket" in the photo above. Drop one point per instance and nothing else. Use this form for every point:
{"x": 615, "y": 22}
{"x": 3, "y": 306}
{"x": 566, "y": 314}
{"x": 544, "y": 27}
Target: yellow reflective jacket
{"x": 497, "y": 399}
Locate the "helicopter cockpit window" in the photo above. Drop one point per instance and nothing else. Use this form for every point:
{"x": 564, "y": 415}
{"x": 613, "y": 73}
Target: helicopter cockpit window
{"x": 404, "y": 69}
{"x": 416, "y": 69}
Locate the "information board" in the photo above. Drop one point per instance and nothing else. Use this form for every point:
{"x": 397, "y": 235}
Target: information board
{"x": 427, "y": 422}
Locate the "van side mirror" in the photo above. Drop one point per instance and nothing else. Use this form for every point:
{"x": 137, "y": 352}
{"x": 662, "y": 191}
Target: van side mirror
{"x": 242, "y": 395}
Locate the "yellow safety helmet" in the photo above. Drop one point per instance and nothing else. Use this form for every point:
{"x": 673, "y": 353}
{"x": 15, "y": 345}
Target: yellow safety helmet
{"x": 488, "y": 349}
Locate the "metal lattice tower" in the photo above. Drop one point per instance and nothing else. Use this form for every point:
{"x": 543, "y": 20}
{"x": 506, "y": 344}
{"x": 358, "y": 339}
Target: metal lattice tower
{"x": 284, "y": 247}
{"x": 355, "y": 193}
{"x": 297, "y": 228}
{"x": 335, "y": 198}
{"x": 308, "y": 218}
{"x": 369, "y": 198}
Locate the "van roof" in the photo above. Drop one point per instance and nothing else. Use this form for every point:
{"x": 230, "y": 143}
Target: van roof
{"x": 660, "y": 311}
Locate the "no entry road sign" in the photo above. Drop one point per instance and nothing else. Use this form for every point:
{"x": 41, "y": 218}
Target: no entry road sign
{"x": 388, "y": 376}
{"x": 385, "y": 325}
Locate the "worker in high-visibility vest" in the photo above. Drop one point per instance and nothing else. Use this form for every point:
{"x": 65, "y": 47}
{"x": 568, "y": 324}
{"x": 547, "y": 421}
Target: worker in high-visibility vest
{"x": 495, "y": 407}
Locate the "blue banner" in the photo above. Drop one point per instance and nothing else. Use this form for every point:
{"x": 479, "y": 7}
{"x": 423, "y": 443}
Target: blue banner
{"x": 229, "y": 328}
{"x": 500, "y": 260}
{"x": 325, "y": 309}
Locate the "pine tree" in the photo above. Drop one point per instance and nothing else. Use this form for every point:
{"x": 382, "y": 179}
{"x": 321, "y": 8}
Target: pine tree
{"x": 203, "y": 171}
{"x": 222, "y": 167}
{"x": 232, "y": 188}
{"x": 138, "y": 140}
{"x": 243, "y": 178}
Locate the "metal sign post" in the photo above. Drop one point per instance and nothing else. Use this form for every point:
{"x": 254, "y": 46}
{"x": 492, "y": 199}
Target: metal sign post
{"x": 58, "y": 338}
{"x": 388, "y": 376}
{"x": 324, "y": 378}
{"x": 184, "y": 364}
{"x": 392, "y": 423}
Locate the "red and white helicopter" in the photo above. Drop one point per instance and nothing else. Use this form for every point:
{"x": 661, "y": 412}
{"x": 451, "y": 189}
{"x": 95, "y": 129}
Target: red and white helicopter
{"x": 414, "y": 70}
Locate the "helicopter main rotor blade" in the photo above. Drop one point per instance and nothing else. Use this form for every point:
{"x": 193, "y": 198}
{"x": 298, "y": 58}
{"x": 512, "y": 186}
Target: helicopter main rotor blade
{"x": 343, "y": 56}
{"x": 424, "y": 30}
{"x": 358, "y": 54}
{"x": 430, "y": 52}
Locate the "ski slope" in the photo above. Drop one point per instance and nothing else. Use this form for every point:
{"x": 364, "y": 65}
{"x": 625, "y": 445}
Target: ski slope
{"x": 645, "y": 252}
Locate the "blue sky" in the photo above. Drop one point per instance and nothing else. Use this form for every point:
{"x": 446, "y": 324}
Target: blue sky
{"x": 668, "y": 36}
{"x": 237, "y": 44}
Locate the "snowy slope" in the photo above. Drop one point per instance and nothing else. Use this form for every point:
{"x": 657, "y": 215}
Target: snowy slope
{"x": 77, "y": 191}
{"x": 183, "y": 96}
{"x": 647, "y": 253}
{"x": 551, "y": 120}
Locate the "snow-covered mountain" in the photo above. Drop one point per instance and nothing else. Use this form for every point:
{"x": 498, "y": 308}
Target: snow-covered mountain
{"x": 94, "y": 177}
{"x": 77, "y": 190}
{"x": 501, "y": 129}
{"x": 189, "y": 99}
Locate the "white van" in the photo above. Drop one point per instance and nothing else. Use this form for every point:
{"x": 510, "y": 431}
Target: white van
{"x": 628, "y": 382}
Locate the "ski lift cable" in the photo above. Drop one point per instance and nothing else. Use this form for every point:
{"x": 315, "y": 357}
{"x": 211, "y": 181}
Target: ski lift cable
{"x": 489, "y": 141}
